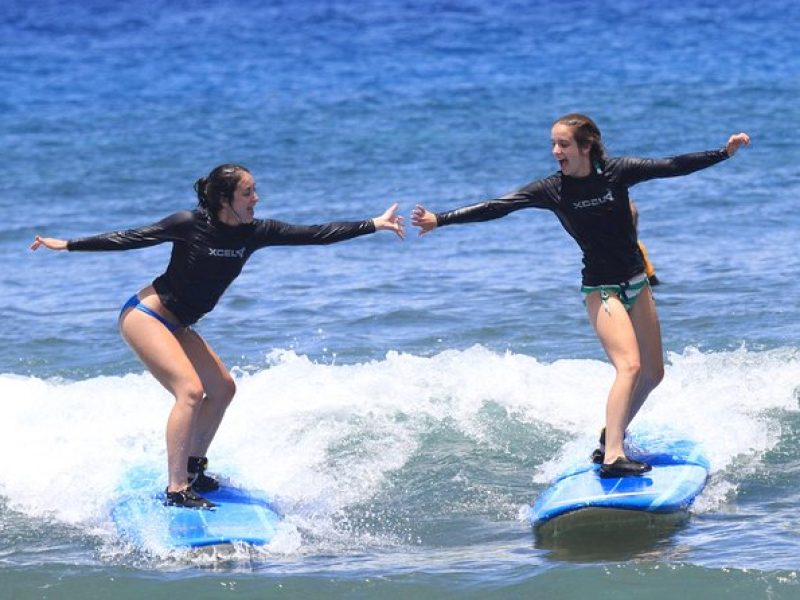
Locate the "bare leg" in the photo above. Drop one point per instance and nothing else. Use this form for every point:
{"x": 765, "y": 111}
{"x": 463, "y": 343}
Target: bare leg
{"x": 217, "y": 383}
{"x": 648, "y": 334}
{"x": 166, "y": 359}
{"x": 616, "y": 333}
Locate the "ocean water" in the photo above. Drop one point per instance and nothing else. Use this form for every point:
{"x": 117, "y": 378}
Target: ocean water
{"x": 402, "y": 402}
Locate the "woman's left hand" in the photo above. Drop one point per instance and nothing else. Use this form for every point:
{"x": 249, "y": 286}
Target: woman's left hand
{"x": 736, "y": 141}
{"x": 391, "y": 221}
{"x": 51, "y": 243}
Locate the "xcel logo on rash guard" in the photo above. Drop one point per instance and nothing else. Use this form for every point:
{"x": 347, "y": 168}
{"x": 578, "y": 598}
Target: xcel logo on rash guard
{"x": 226, "y": 252}
{"x": 593, "y": 201}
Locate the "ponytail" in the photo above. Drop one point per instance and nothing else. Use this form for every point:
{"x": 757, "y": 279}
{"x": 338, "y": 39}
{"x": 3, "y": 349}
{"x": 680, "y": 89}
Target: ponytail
{"x": 200, "y": 187}
{"x": 216, "y": 190}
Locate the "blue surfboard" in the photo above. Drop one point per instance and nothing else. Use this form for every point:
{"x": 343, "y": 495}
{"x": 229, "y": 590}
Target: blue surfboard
{"x": 579, "y": 495}
{"x": 141, "y": 518}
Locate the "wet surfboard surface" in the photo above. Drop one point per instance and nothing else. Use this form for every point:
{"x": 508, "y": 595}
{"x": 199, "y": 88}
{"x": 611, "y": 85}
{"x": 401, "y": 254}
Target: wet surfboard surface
{"x": 678, "y": 476}
{"x": 142, "y": 519}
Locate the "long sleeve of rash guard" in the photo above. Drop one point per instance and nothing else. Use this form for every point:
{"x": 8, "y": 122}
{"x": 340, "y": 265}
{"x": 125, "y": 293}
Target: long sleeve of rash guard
{"x": 277, "y": 233}
{"x": 636, "y": 170}
{"x": 537, "y": 194}
{"x": 171, "y": 228}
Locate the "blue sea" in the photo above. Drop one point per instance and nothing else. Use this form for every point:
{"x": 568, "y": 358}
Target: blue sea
{"x": 403, "y": 403}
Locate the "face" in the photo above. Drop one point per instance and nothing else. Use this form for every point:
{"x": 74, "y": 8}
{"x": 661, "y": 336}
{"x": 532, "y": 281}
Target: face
{"x": 573, "y": 160}
{"x": 244, "y": 199}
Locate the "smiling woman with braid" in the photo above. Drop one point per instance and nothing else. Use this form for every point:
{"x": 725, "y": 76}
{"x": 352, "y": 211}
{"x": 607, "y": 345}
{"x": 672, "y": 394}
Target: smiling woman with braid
{"x": 589, "y": 195}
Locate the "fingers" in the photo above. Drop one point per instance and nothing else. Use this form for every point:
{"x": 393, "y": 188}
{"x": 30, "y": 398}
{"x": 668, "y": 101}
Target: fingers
{"x": 423, "y": 218}
{"x": 399, "y": 228}
{"x": 736, "y": 141}
{"x": 418, "y": 216}
{"x": 740, "y": 139}
{"x": 390, "y": 212}
{"x": 392, "y": 221}
{"x": 37, "y": 241}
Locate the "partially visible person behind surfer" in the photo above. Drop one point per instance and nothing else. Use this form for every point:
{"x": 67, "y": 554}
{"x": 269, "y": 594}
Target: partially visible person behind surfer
{"x": 210, "y": 245}
{"x": 589, "y": 195}
{"x": 649, "y": 268}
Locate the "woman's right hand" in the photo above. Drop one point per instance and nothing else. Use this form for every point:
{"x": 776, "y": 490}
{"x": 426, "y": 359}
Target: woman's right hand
{"x": 424, "y": 219}
{"x": 50, "y": 243}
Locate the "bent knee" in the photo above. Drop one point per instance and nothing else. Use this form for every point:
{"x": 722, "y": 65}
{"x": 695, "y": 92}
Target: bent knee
{"x": 630, "y": 369}
{"x": 658, "y": 376}
{"x": 223, "y": 392}
{"x": 654, "y": 376}
{"x": 228, "y": 390}
{"x": 190, "y": 393}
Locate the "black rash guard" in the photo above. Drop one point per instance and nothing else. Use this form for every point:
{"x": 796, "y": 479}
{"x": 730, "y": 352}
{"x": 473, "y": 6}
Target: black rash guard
{"x": 208, "y": 255}
{"x": 595, "y": 210}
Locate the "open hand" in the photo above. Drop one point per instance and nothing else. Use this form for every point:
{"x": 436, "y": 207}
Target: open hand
{"x": 391, "y": 221}
{"x": 424, "y": 219}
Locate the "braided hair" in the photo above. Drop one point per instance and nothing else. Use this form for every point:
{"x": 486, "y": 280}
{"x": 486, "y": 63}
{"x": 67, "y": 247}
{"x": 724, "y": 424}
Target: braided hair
{"x": 586, "y": 133}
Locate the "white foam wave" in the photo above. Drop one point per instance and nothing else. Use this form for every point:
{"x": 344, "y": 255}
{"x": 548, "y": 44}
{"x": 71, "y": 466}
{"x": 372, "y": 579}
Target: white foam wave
{"x": 321, "y": 438}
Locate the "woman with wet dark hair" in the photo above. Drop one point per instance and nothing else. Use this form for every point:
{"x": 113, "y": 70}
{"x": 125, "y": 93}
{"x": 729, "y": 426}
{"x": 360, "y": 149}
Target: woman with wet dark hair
{"x": 589, "y": 195}
{"x": 210, "y": 245}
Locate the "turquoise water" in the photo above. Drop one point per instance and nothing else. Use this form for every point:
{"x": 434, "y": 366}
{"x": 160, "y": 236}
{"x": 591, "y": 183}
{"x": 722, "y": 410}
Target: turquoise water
{"x": 404, "y": 403}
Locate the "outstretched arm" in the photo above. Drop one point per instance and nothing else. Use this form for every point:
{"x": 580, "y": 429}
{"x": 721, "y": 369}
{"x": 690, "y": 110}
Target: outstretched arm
{"x": 637, "y": 170}
{"x": 49, "y": 243}
{"x": 174, "y": 227}
{"x": 270, "y": 232}
{"x": 537, "y": 194}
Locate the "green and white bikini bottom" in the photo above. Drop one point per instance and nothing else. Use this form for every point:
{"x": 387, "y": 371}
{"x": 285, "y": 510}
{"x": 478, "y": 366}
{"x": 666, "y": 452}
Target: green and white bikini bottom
{"x": 627, "y": 291}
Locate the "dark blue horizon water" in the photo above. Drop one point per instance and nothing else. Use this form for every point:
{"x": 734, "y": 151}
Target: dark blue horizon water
{"x": 403, "y": 402}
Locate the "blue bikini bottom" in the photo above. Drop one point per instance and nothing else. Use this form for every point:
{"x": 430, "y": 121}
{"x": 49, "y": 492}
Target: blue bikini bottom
{"x": 134, "y": 302}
